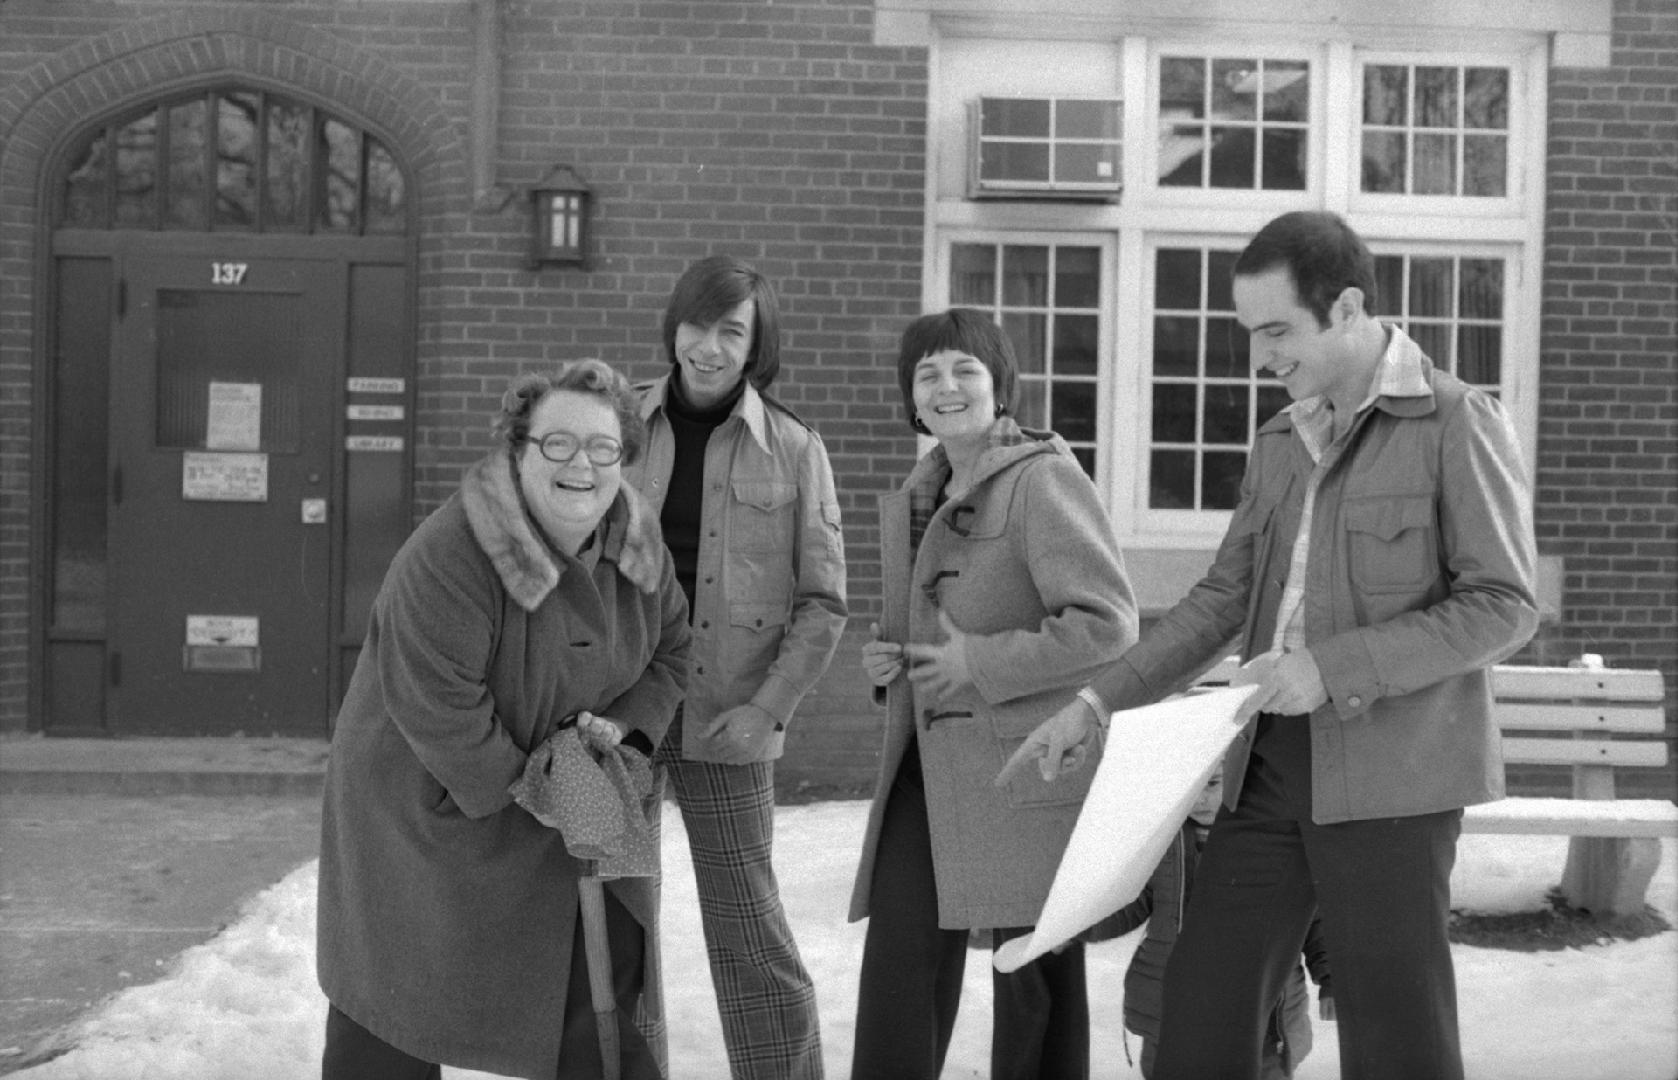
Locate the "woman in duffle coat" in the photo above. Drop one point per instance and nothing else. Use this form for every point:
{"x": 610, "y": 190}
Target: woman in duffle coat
{"x": 1003, "y": 589}
{"x": 448, "y": 924}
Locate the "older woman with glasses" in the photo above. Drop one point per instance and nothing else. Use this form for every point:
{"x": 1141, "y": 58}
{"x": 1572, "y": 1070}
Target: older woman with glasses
{"x": 448, "y": 922}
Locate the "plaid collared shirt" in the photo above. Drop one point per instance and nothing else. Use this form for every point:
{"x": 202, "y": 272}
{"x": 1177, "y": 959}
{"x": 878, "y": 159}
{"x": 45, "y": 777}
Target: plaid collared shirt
{"x": 1398, "y": 374}
{"x": 928, "y": 493}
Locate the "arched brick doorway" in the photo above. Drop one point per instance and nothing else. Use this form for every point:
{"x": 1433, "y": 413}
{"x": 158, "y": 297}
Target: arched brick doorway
{"x": 356, "y": 287}
{"x": 231, "y": 417}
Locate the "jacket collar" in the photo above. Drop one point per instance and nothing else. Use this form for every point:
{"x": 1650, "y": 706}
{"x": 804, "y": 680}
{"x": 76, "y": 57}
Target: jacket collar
{"x": 1008, "y": 443}
{"x": 749, "y": 408}
{"x": 1402, "y": 386}
{"x": 500, "y": 522}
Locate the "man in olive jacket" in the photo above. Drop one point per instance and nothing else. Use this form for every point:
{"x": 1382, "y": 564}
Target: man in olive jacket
{"x": 1380, "y": 560}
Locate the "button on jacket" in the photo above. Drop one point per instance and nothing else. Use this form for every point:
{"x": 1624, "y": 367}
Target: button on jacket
{"x": 769, "y": 593}
{"x": 1420, "y": 577}
{"x": 1025, "y": 563}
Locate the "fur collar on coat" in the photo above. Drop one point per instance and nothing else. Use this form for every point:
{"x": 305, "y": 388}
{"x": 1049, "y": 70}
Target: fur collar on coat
{"x": 502, "y": 525}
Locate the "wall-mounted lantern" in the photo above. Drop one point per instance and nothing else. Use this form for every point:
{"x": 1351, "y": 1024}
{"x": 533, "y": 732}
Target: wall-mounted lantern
{"x": 560, "y": 204}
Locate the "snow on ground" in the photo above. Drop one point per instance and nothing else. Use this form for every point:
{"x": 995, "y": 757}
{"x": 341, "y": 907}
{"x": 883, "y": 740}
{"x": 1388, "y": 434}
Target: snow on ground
{"x": 244, "y": 1006}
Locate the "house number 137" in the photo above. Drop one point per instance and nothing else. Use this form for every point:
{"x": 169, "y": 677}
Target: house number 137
{"x": 227, "y": 273}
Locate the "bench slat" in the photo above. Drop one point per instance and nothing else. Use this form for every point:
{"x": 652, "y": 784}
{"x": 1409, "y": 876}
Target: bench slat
{"x": 1525, "y": 751}
{"x": 1598, "y": 684}
{"x": 1575, "y": 817}
{"x": 1541, "y": 716}
{"x": 1519, "y": 681}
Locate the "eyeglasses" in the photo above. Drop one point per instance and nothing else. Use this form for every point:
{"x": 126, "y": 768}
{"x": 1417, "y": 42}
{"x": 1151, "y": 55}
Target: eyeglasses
{"x": 560, "y": 447}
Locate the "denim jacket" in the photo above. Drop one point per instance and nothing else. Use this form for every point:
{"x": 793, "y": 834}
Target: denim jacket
{"x": 769, "y": 595}
{"x": 1420, "y": 577}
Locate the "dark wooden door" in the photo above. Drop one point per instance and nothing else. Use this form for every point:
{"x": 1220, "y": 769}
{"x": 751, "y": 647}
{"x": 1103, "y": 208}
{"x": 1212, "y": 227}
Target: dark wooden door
{"x": 224, "y": 398}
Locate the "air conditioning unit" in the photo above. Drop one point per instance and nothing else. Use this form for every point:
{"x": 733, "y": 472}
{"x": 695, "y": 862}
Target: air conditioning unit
{"x": 1045, "y": 148}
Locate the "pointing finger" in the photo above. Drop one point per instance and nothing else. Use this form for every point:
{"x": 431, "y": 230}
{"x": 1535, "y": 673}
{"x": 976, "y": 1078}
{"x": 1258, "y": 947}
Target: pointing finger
{"x": 1028, "y": 751}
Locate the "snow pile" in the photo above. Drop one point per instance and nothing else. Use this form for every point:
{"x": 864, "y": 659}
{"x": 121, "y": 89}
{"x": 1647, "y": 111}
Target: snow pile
{"x": 244, "y": 1006}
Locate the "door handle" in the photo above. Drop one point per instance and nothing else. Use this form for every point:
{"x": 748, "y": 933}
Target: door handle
{"x": 314, "y": 511}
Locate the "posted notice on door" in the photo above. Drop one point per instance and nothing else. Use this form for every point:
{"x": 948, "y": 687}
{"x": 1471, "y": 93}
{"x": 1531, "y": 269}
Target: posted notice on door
{"x": 207, "y": 477}
{"x": 233, "y": 420}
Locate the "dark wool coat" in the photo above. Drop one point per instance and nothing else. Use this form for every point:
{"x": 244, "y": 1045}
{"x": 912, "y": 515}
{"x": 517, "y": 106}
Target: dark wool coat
{"x": 1026, "y": 565}
{"x": 446, "y": 912}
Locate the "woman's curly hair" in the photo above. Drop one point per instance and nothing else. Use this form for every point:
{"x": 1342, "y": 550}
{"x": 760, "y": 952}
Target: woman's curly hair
{"x": 592, "y": 377}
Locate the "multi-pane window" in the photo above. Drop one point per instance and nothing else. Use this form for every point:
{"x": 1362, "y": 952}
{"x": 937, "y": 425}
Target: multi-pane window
{"x": 1435, "y": 130}
{"x": 1206, "y": 403}
{"x": 1047, "y": 298}
{"x": 1422, "y": 143}
{"x": 1450, "y": 305}
{"x": 235, "y": 160}
{"x": 1233, "y": 123}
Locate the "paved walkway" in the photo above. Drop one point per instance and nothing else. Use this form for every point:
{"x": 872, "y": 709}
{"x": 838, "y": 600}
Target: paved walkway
{"x": 117, "y": 854}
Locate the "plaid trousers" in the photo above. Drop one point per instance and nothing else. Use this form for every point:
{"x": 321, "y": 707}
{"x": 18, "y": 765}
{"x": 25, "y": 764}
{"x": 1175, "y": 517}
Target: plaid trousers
{"x": 765, "y": 996}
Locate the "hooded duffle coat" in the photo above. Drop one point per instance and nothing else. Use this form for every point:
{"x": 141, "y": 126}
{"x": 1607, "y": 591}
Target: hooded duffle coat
{"x": 1025, "y": 563}
{"x": 446, "y": 912}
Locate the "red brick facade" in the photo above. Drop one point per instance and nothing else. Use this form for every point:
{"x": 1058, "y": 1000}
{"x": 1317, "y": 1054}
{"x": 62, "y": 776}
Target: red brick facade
{"x": 1608, "y": 447}
{"x": 1607, "y": 468}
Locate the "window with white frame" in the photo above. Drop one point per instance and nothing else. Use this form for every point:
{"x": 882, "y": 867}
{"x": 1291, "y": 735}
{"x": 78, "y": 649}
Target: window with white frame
{"x": 1452, "y": 306}
{"x": 1047, "y": 297}
{"x": 1233, "y": 122}
{"x": 1434, "y": 129}
{"x": 1205, "y": 402}
{"x": 1429, "y": 152}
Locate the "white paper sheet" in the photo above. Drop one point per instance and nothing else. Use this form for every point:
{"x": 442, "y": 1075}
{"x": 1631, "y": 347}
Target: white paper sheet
{"x": 1156, "y": 762}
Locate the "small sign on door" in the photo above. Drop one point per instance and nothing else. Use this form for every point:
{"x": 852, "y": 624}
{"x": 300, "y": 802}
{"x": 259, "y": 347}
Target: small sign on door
{"x": 375, "y": 443}
{"x": 225, "y": 644}
{"x": 365, "y": 385}
{"x": 224, "y": 477}
{"x": 241, "y": 630}
{"x": 234, "y": 418}
{"x": 374, "y": 412}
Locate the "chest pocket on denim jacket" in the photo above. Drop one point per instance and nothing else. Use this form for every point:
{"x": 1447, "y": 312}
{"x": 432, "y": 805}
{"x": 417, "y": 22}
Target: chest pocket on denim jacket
{"x": 1391, "y": 542}
{"x": 761, "y": 517}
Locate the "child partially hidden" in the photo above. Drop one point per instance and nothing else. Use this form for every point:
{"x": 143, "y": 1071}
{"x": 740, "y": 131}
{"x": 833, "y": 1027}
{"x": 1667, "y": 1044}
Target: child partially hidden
{"x": 1161, "y": 905}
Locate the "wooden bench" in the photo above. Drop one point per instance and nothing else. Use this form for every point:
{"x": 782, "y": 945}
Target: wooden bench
{"x": 1571, "y": 716}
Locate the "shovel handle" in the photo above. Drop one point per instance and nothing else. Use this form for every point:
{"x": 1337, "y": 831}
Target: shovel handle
{"x": 591, "y": 897}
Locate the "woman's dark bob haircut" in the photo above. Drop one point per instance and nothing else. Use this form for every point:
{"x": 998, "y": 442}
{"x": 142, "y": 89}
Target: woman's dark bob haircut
{"x": 707, "y": 290}
{"x": 594, "y": 378}
{"x": 965, "y": 330}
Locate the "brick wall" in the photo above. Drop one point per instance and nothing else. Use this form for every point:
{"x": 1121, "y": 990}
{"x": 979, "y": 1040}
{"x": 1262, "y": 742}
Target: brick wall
{"x": 774, "y": 131}
{"x": 1607, "y": 466}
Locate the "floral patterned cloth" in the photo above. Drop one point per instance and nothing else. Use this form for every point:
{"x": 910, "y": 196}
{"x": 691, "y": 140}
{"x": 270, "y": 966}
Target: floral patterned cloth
{"x": 603, "y": 807}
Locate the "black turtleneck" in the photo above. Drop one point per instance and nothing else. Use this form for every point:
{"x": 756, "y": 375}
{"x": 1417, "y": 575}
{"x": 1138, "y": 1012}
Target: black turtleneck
{"x": 684, "y": 501}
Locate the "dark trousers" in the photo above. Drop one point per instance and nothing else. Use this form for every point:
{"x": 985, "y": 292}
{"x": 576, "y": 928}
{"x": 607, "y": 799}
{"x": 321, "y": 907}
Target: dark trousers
{"x": 354, "y": 1053}
{"x": 1382, "y": 889}
{"x": 912, "y": 969}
